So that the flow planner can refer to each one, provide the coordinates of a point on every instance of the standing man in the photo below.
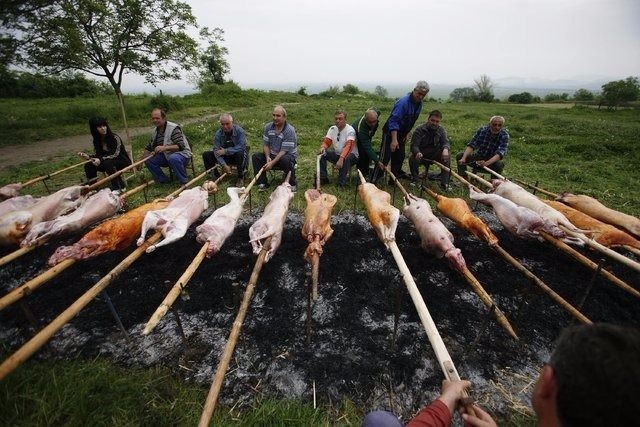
(168, 146)
(395, 131)
(279, 149)
(229, 147)
(366, 127)
(491, 143)
(429, 142)
(338, 147)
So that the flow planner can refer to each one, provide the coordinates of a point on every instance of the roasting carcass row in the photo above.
(174, 220)
(112, 235)
(457, 210)
(317, 221)
(383, 216)
(15, 225)
(220, 224)
(10, 190)
(522, 197)
(597, 210)
(521, 221)
(603, 233)
(97, 207)
(271, 222)
(435, 237)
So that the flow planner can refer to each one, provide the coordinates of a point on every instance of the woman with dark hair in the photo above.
(109, 155)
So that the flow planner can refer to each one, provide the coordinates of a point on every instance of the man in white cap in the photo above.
(403, 116)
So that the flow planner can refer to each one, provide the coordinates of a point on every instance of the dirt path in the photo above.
(15, 155)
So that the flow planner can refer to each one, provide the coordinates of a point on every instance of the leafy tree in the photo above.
(350, 89)
(330, 93)
(617, 92)
(553, 97)
(484, 88)
(521, 98)
(106, 39)
(583, 95)
(381, 92)
(463, 94)
(302, 91)
(213, 64)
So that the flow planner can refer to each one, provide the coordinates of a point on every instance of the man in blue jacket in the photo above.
(229, 147)
(395, 131)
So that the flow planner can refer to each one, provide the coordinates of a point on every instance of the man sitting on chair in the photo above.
(339, 147)
(229, 147)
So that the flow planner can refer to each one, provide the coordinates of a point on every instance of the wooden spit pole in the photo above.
(315, 259)
(577, 255)
(43, 177)
(223, 364)
(29, 286)
(41, 338)
(542, 190)
(183, 281)
(25, 250)
(116, 174)
(442, 354)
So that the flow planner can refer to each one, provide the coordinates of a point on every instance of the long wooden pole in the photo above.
(494, 173)
(247, 189)
(442, 354)
(521, 268)
(176, 290)
(31, 346)
(588, 263)
(488, 302)
(542, 190)
(395, 180)
(602, 249)
(43, 177)
(116, 174)
(223, 364)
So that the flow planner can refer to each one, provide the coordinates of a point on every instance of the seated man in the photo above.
(229, 147)
(168, 146)
(491, 143)
(279, 149)
(429, 142)
(338, 147)
(366, 127)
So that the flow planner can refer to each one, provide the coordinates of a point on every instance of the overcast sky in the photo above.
(445, 41)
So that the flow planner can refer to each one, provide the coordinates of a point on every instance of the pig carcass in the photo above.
(174, 220)
(457, 210)
(521, 221)
(271, 223)
(17, 204)
(597, 210)
(97, 207)
(603, 233)
(522, 197)
(435, 237)
(383, 216)
(112, 235)
(221, 223)
(15, 225)
(10, 190)
(317, 221)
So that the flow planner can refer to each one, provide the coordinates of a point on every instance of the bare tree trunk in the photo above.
(128, 145)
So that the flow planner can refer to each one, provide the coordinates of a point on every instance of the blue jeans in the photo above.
(177, 162)
(381, 418)
(333, 157)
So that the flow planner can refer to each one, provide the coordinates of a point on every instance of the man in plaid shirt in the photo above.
(487, 148)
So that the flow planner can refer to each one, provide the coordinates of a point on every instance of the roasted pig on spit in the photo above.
(221, 223)
(383, 216)
(272, 220)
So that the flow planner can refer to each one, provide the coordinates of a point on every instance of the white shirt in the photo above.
(340, 138)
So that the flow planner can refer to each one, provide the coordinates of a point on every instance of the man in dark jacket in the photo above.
(229, 148)
(429, 142)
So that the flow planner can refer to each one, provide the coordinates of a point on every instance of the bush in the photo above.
(15, 84)
(350, 89)
(166, 102)
(521, 98)
(330, 93)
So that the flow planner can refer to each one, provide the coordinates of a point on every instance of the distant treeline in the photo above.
(15, 84)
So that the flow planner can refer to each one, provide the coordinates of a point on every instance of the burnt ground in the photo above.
(349, 350)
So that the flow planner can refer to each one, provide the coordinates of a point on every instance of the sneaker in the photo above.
(413, 183)
(262, 187)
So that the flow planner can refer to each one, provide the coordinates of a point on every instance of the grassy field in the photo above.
(578, 149)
